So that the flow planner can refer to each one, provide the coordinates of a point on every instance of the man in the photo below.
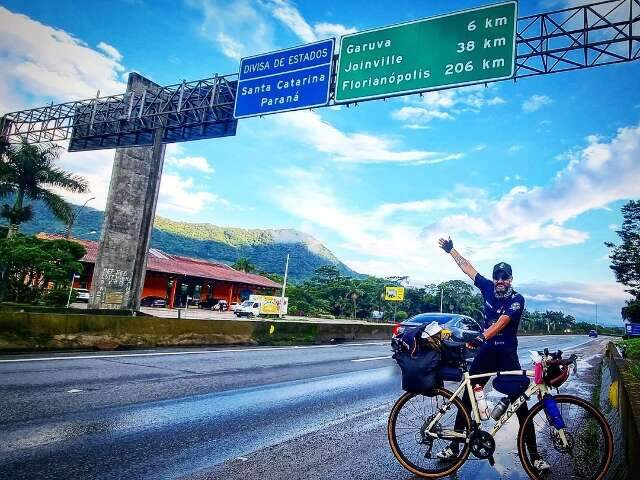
(498, 344)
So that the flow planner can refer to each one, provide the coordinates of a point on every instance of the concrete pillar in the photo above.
(119, 272)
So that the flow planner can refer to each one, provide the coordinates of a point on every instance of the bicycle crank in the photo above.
(482, 444)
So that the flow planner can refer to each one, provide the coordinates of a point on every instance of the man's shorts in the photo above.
(491, 359)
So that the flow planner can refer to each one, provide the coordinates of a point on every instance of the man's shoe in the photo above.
(541, 465)
(446, 453)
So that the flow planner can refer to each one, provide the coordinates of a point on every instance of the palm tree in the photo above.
(28, 171)
(244, 265)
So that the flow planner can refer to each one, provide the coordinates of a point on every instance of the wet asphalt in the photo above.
(283, 413)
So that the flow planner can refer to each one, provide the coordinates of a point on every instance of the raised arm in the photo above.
(463, 263)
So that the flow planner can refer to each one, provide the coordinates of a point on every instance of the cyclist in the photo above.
(497, 345)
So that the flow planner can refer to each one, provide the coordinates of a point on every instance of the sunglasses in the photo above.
(501, 277)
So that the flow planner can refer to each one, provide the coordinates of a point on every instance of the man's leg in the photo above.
(482, 363)
(512, 362)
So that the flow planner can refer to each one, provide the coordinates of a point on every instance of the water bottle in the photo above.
(538, 372)
(483, 408)
(500, 408)
(553, 413)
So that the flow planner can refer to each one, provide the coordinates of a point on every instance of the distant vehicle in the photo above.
(234, 306)
(222, 306)
(208, 303)
(593, 333)
(248, 309)
(155, 302)
(82, 295)
(194, 302)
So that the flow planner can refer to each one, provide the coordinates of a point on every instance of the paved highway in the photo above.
(292, 412)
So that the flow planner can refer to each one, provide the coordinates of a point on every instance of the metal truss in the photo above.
(186, 111)
(601, 33)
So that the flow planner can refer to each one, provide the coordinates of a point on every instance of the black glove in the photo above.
(446, 245)
(476, 342)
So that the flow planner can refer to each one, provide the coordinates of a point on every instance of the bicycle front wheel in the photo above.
(413, 447)
(588, 450)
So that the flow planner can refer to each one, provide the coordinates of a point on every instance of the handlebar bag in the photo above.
(511, 385)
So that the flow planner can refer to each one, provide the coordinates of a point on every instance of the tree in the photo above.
(34, 267)
(28, 171)
(244, 265)
(625, 258)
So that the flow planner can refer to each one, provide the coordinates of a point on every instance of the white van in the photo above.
(248, 308)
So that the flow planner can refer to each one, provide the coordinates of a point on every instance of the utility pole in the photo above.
(73, 218)
(596, 318)
(284, 284)
(441, 292)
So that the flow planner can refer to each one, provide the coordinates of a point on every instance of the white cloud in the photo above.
(579, 301)
(180, 195)
(417, 115)
(535, 102)
(288, 14)
(514, 148)
(110, 50)
(601, 173)
(352, 147)
(42, 63)
(175, 157)
(446, 104)
(239, 27)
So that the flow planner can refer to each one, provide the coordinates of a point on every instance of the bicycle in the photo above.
(581, 446)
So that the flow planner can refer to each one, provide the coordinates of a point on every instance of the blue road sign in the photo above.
(290, 79)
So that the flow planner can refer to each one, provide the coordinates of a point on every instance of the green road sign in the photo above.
(471, 46)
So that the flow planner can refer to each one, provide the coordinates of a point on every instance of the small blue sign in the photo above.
(291, 79)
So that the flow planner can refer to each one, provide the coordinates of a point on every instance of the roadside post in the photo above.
(73, 277)
(284, 286)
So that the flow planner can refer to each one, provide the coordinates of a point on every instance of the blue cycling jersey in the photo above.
(494, 307)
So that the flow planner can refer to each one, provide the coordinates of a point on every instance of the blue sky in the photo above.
(532, 172)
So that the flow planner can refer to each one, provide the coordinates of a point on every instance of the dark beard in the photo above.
(505, 294)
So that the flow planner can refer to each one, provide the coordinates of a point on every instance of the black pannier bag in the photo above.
(452, 360)
(419, 361)
(419, 372)
(511, 385)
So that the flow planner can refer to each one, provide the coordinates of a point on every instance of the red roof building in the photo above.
(180, 279)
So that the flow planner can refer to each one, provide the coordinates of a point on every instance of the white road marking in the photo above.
(159, 354)
(370, 359)
(74, 390)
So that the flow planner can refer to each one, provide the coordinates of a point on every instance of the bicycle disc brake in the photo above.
(482, 444)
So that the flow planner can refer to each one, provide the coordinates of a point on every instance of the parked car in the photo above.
(222, 306)
(462, 328)
(208, 303)
(82, 295)
(248, 309)
(234, 306)
(155, 302)
(593, 333)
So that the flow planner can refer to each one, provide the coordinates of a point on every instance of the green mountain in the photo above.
(267, 249)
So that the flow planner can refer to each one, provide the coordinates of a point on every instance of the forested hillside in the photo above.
(267, 249)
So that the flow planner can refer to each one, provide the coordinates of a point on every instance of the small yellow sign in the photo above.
(394, 294)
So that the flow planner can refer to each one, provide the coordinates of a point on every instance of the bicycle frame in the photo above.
(539, 389)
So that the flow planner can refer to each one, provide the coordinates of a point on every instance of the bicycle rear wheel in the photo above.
(590, 442)
(415, 450)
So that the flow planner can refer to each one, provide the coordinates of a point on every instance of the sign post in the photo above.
(290, 79)
(462, 48)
